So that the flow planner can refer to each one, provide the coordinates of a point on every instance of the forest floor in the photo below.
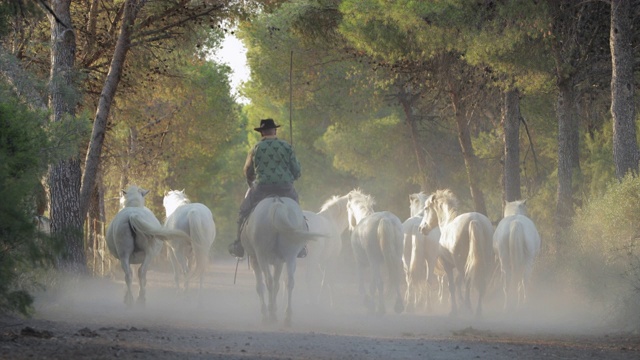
(87, 319)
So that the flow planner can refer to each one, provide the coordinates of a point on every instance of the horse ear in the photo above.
(144, 192)
(183, 190)
(524, 202)
(123, 192)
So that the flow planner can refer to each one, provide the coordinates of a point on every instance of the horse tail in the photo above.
(391, 243)
(517, 250)
(140, 225)
(479, 264)
(286, 219)
(202, 236)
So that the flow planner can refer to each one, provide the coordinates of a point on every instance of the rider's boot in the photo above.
(236, 248)
(303, 253)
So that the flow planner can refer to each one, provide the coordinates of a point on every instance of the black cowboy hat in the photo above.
(266, 124)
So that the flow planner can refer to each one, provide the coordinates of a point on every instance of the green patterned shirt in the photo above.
(271, 161)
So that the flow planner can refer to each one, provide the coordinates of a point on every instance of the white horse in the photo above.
(465, 244)
(272, 236)
(322, 261)
(517, 243)
(423, 256)
(195, 220)
(376, 239)
(134, 235)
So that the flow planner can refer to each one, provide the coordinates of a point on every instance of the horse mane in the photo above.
(337, 205)
(179, 194)
(174, 199)
(449, 199)
(364, 199)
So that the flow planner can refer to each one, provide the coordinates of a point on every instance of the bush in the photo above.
(22, 165)
(607, 233)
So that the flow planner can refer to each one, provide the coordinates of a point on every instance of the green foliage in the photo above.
(607, 233)
(599, 169)
(22, 164)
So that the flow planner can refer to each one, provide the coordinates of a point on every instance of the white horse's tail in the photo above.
(140, 225)
(287, 220)
(517, 250)
(479, 262)
(201, 239)
(391, 244)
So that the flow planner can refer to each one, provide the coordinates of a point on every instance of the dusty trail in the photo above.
(87, 320)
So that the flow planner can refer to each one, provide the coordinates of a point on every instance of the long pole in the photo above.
(291, 98)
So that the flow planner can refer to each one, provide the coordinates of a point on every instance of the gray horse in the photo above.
(134, 235)
(272, 236)
(377, 242)
(196, 220)
(466, 244)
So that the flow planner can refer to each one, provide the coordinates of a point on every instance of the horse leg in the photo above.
(409, 297)
(142, 279)
(128, 296)
(452, 290)
(377, 288)
(467, 294)
(260, 286)
(291, 269)
(506, 278)
(522, 294)
(175, 265)
(273, 292)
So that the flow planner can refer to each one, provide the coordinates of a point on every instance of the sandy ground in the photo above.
(88, 320)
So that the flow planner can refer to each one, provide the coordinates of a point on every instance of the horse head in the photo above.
(173, 199)
(359, 205)
(518, 207)
(133, 196)
(416, 203)
(429, 215)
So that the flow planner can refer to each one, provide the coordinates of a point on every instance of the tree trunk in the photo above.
(427, 171)
(625, 146)
(567, 155)
(470, 159)
(64, 177)
(92, 161)
(511, 126)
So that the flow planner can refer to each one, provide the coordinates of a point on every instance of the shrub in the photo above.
(606, 233)
(22, 165)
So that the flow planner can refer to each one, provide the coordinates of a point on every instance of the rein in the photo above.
(235, 274)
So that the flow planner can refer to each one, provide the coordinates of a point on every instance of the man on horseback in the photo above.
(270, 169)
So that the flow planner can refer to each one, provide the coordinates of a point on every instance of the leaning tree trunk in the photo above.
(92, 161)
(470, 159)
(511, 126)
(64, 177)
(625, 146)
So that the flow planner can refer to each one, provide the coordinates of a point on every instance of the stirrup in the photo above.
(236, 249)
(303, 253)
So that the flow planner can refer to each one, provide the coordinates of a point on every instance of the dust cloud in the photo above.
(223, 305)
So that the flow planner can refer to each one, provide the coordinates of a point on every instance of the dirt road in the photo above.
(88, 320)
